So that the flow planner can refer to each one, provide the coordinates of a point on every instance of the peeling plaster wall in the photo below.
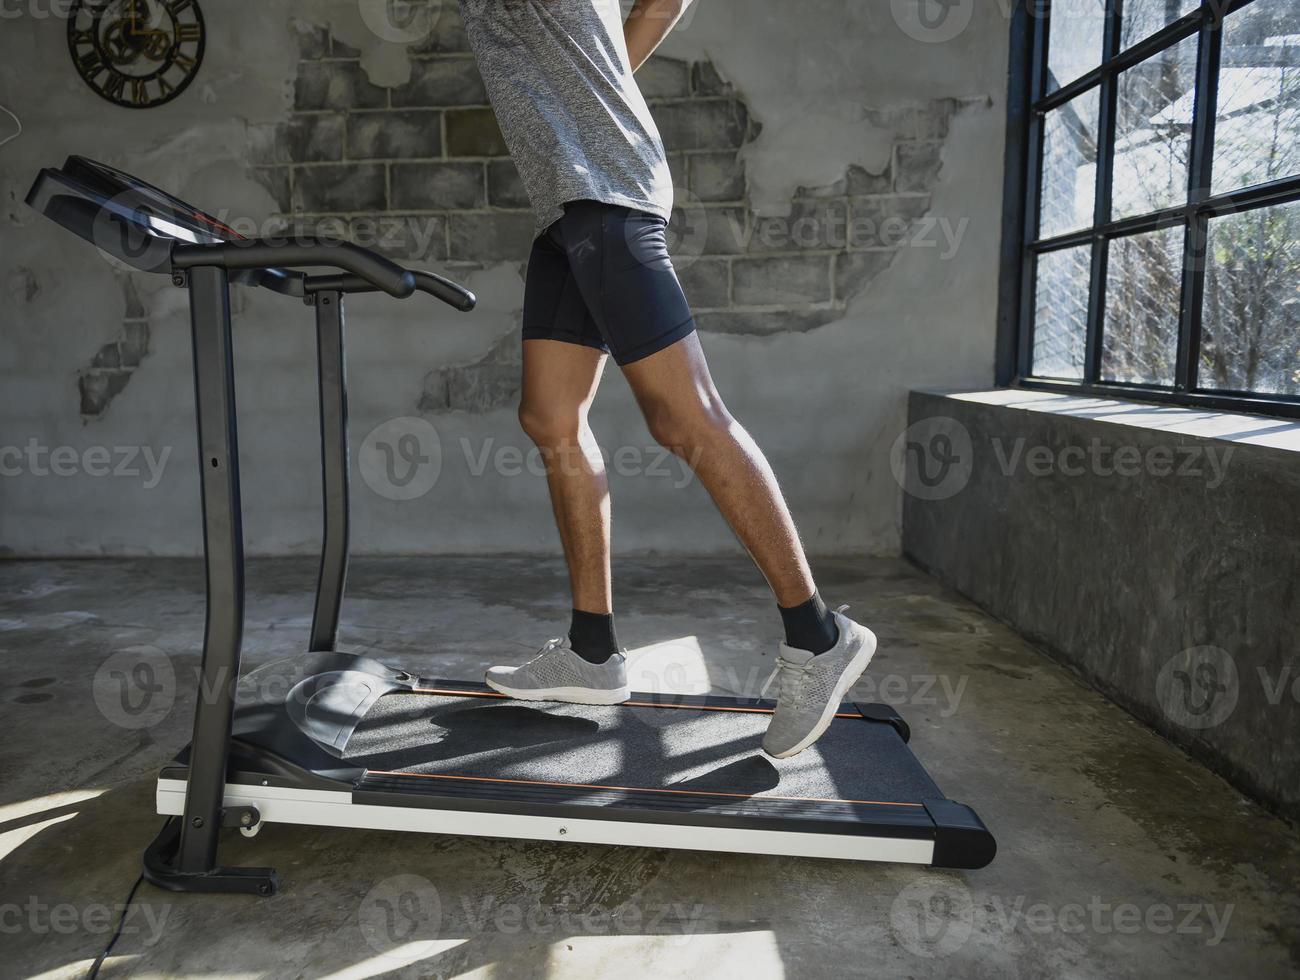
(814, 345)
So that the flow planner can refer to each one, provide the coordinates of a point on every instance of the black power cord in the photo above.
(93, 972)
(117, 933)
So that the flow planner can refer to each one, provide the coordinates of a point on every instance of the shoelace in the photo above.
(554, 643)
(792, 677)
(792, 674)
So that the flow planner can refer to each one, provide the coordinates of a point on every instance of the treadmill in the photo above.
(332, 739)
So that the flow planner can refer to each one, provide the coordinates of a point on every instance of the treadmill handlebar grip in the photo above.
(439, 287)
(384, 274)
(451, 293)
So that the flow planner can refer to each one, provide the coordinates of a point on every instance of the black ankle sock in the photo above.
(592, 636)
(810, 625)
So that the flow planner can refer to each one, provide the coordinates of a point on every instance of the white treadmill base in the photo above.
(324, 808)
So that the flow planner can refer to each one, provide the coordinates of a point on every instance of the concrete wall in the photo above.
(1155, 551)
(839, 170)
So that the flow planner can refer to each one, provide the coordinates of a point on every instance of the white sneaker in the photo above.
(812, 687)
(556, 673)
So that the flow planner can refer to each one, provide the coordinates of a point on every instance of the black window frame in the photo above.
(1028, 102)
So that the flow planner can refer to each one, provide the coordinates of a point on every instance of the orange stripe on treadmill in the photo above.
(625, 704)
(456, 693)
(632, 789)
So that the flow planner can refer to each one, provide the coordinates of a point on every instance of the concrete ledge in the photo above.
(1155, 550)
(1237, 427)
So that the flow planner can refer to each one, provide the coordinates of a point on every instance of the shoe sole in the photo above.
(852, 672)
(568, 695)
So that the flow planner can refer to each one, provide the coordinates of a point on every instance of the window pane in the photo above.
(1153, 131)
(1257, 136)
(1142, 18)
(1069, 185)
(1061, 313)
(1251, 327)
(1074, 39)
(1144, 280)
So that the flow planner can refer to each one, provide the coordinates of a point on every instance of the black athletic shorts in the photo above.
(600, 276)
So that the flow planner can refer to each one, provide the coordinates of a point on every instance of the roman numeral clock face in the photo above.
(136, 53)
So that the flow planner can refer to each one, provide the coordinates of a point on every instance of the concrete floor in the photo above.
(1119, 856)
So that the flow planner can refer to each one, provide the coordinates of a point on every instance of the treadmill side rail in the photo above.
(961, 840)
(342, 809)
(885, 714)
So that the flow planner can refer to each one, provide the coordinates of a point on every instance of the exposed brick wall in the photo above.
(797, 271)
(421, 172)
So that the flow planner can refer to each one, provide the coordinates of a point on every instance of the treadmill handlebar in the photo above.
(254, 253)
(439, 287)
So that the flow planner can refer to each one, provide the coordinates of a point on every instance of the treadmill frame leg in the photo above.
(332, 381)
(184, 855)
(160, 869)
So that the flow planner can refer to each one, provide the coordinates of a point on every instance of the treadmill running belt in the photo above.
(667, 751)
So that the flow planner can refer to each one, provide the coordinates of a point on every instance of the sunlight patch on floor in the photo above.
(677, 948)
(399, 958)
(672, 667)
(11, 840)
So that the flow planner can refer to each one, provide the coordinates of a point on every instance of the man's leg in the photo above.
(686, 415)
(559, 383)
(824, 652)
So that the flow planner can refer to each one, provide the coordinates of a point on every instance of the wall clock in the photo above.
(137, 53)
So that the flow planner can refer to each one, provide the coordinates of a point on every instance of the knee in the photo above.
(550, 425)
(680, 428)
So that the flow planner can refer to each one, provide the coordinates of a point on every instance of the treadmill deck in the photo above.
(659, 770)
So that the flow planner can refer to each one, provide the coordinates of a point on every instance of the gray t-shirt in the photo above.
(577, 125)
